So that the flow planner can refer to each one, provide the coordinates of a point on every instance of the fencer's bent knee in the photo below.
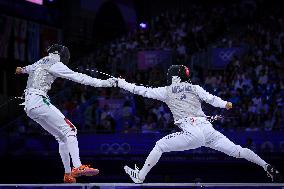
(68, 131)
(66, 138)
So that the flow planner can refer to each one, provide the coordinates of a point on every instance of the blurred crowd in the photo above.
(253, 82)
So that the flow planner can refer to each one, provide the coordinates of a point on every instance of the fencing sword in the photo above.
(95, 70)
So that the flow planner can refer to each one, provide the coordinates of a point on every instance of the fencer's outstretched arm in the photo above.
(211, 99)
(60, 70)
(154, 93)
(30, 68)
(26, 69)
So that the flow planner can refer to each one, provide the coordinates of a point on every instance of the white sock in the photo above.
(253, 157)
(151, 160)
(73, 148)
(65, 157)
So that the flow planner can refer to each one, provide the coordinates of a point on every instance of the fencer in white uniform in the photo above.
(39, 108)
(184, 100)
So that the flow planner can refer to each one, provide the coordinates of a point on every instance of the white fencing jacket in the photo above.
(183, 99)
(43, 73)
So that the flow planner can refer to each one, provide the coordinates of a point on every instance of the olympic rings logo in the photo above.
(226, 55)
(115, 148)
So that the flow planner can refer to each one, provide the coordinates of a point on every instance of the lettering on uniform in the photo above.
(183, 88)
(44, 60)
(183, 96)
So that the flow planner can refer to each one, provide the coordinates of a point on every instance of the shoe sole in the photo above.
(69, 182)
(88, 173)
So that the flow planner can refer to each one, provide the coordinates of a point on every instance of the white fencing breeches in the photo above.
(197, 132)
(53, 121)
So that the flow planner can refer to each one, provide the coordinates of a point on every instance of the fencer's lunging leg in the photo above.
(52, 120)
(223, 144)
(150, 162)
(69, 133)
(40, 116)
(65, 157)
(178, 141)
(252, 157)
(72, 144)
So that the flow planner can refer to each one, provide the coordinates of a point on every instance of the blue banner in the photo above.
(137, 144)
(148, 59)
(222, 56)
(141, 144)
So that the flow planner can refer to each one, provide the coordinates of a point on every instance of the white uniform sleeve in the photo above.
(209, 98)
(30, 68)
(60, 70)
(154, 93)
